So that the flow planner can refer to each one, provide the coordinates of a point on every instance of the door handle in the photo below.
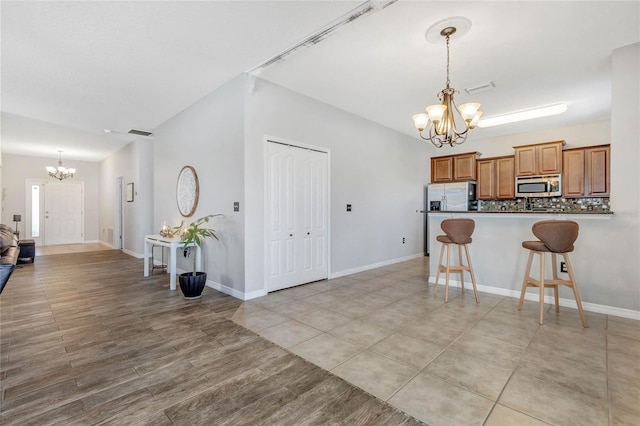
(308, 233)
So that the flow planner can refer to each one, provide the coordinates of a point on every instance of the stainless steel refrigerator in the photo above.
(453, 196)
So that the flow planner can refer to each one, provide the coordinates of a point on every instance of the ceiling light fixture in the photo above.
(445, 126)
(61, 172)
(523, 115)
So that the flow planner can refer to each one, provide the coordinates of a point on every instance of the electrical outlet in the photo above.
(348, 207)
(563, 267)
(403, 240)
(236, 206)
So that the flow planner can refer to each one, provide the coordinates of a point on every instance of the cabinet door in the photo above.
(597, 171)
(573, 176)
(526, 161)
(505, 178)
(486, 185)
(549, 158)
(464, 167)
(442, 169)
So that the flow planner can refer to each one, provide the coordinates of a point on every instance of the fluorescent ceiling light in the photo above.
(523, 115)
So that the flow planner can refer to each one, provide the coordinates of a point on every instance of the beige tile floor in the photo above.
(386, 332)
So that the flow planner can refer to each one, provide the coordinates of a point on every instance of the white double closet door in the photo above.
(297, 215)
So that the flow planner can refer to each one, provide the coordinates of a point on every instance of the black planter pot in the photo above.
(191, 285)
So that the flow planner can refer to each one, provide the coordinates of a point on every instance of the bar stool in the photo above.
(556, 237)
(458, 232)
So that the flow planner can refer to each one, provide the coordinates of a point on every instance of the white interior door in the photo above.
(297, 215)
(63, 203)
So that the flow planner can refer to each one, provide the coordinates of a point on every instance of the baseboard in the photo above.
(569, 303)
(132, 253)
(374, 266)
(234, 292)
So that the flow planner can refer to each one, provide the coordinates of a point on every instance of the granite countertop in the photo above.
(549, 211)
(577, 212)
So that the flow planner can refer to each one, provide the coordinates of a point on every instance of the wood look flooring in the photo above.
(86, 339)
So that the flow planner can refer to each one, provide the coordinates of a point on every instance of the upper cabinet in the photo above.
(454, 168)
(496, 178)
(538, 159)
(442, 169)
(586, 171)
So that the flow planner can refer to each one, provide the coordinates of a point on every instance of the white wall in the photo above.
(380, 172)
(622, 240)
(209, 137)
(134, 163)
(16, 169)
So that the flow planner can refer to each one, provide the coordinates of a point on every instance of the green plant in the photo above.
(195, 233)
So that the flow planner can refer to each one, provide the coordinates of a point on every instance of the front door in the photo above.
(297, 215)
(63, 213)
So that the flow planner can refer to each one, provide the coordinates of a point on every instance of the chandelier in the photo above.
(448, 124)
(61, 172)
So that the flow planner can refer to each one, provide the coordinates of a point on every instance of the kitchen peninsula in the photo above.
(504, 221)
(499, 261)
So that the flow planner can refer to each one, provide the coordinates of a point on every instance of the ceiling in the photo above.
(69, 70)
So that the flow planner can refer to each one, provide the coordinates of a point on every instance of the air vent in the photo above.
(480, 88)
(140, 132)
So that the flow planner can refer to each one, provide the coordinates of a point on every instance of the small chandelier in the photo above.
(444, 127)
(61, 172)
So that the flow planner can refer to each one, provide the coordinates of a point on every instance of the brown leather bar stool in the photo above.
(458, 232)
(556, 237)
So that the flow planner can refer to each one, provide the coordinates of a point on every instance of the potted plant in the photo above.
(192, 283)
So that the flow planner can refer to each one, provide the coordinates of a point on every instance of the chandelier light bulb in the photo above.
(420, 121)
(469, 111)
(436, 112)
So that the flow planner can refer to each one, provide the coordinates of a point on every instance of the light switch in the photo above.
(236, 206)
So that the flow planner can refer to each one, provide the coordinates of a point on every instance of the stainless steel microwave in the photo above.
(539, 186)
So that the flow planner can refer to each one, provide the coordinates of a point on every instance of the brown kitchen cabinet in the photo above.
(496, 178)
(539, 159)
(586, 171)
(454, 168)
(442, 169)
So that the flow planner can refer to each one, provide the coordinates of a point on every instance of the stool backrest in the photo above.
(557, 235)
(458, 230)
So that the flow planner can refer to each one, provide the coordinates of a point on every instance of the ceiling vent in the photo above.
(480, 88)
(140, 132)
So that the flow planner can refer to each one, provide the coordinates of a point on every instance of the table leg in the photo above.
(172, 268)
(198, 258)
(146, 258)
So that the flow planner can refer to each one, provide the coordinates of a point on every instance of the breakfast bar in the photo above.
(499, 260)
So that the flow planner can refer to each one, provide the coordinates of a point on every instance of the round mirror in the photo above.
(187, 191)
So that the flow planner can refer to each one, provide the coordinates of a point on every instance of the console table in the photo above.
(173, 244)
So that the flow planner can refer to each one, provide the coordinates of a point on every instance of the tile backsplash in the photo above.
(561, 204)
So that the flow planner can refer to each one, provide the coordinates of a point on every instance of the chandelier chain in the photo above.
(448, 81)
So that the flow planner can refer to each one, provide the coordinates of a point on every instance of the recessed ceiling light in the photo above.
(522, 115)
